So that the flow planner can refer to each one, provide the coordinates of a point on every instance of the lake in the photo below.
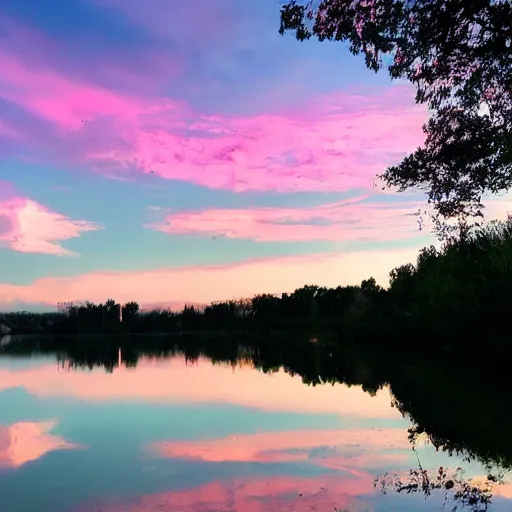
(116, 428)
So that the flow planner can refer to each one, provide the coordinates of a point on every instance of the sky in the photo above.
(169, 152)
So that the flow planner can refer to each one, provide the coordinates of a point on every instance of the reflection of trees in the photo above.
(469, 416)
(464, 493)
(462, 412)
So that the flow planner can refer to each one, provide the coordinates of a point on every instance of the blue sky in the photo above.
(201, 154)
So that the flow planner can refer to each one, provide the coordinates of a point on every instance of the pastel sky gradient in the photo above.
(183, 151)
(160, 381)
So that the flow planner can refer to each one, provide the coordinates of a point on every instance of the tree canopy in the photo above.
(458, 55)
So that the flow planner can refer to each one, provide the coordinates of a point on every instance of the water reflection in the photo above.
(27, 441)
(257, 495)
(340, 448)
(214, 424)
(162, 380)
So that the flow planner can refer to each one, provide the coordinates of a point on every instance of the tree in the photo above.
(130, 311)
(401, 282)
(370, 287)
(458, 55)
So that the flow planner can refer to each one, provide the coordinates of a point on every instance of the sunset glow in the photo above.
(161, 381)
(201, 163)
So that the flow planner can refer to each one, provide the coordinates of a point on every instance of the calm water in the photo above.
(172, 435)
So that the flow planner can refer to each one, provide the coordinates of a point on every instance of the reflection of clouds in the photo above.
(205, 383)
(340, 449)
(504, 490)
(257, 495)
(23, 442)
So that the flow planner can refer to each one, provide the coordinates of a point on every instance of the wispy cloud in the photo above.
(333, 142)
(27, 226)
(349, 221)
(57, 99)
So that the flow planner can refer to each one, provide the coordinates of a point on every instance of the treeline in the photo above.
(460, 292)
(309, 306)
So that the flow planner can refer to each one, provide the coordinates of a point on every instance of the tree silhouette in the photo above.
(130, 311)
(458, 55)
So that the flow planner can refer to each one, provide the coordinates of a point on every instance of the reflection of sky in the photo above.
(162, 382)
(166, 436)
(23, 442)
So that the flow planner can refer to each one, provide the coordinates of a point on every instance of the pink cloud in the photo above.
(352, 220)
(57, 99)
(137, 71)
(161, 380)
(367, 448)
(27, 226)
(206, 284)
(274, 494)
(291, 151)
(24, 442)
(349, 452)
(336, 142)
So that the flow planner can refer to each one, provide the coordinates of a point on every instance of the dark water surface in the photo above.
(120, 430)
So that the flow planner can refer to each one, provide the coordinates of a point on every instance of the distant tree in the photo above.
(265, 307)
(458, 55)
(370, 286)
(304, 300)
(130, 311)
(220, 315)
(242, 307)
(401, 281)
(190, 317)
(112, 311)
(425, 257)
(64, 307)
(333, 302)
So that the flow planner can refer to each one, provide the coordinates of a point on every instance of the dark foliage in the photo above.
(308, 306)
(458, 55)
(464, 493)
